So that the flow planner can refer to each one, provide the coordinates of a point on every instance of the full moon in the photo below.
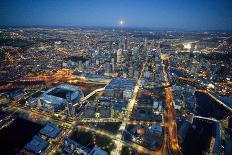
(121, 23)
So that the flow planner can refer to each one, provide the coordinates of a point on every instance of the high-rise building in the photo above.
(113, 66)
(87, 64)
(125, 47)
(70, 109)
(107, 67)
(145, 43)
(119, 56)
(191, 55)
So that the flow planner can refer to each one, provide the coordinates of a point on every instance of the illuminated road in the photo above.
(7, 121)
(114, 120)
(116, 139)
(129, 109)
(170, 119)
(199, 83)
(170, 132)
(69, 125)
(68, 128)
(35, 115)
(47, 79)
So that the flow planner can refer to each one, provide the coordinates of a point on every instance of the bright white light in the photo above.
(187, 46)
(121, 23)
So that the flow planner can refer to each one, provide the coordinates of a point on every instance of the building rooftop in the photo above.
(121, 83)
(76, 145)
(59, 92)
(52, 99)
(36, 145)
(98, 151)
(50, 130)
(156, 127)
(68, 87)
(104, 99)
(92, 76)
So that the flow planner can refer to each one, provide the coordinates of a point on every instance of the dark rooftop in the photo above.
(58, 92)
(50, 130)
(36, 145)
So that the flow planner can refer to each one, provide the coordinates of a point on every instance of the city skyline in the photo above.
(178, 14)
(110, 77)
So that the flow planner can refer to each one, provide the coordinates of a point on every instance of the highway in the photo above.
(170, 141)
(70, 125)
(7, 121)
(170, 119)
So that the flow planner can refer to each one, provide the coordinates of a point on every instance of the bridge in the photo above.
(205, 118)
(92, 93)
(89, 95)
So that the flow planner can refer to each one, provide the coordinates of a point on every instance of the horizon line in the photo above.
(115, 27)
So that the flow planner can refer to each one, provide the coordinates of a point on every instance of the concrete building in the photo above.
(105, 111)
(72, 147)
(127, 94)
(90, 111)
(120, 88)
(119, 56)
(97, 151)
(17, 95)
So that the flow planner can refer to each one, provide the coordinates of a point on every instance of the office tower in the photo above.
(119, 55)
(70, 108)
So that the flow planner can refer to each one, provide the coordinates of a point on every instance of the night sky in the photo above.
(182, 14)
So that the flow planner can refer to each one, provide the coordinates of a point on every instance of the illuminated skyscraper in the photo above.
(119, 56)
(125, 45)
(191, 55)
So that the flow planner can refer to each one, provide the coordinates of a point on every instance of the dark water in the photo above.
(198, 139)
(177, 72)
(14, 137)
(208, 107)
